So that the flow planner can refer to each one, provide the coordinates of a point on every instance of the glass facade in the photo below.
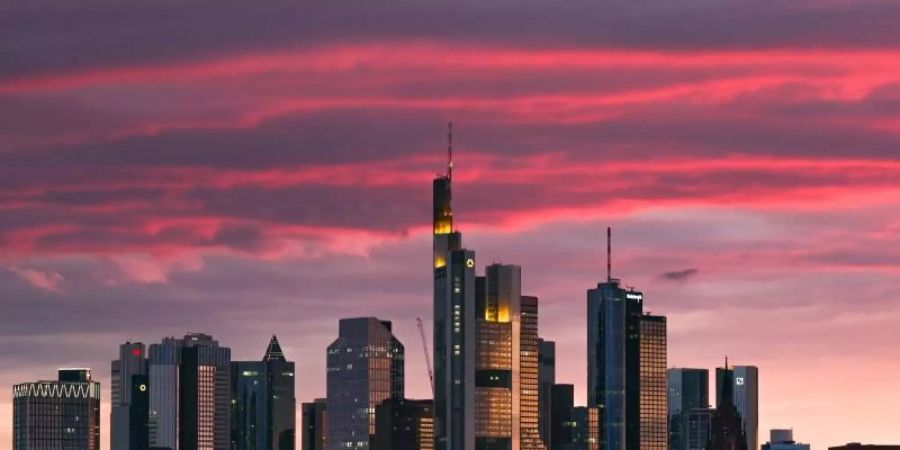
(262, 403)
(403, 424)
(58, 415)
(365, 368)
(315, 425)
(654, 408)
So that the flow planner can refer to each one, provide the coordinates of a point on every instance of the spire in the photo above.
(450, 150)
(273, 351)
(608, 254)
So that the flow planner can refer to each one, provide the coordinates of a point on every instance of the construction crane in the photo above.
(425, 349)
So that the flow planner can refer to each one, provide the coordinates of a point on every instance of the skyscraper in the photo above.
(654, 423)
(614, 361)
(204, 394)
(315, 425)
(745, 388)
(263, 408)
(163, 369)
(546, 380)
(454, 325)
(404, 424)
(726, 427)
(128, 419)
(62, 414)
(485, 346)
(689, 413)
(561, 435)
(365, 368)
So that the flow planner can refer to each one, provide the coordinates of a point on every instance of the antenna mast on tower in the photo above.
(608, 254)
(450, 150)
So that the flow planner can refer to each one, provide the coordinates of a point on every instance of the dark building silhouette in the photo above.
(365, 368)
(561, 434)
(204, 394)
(745, 394)
(404, 424)
(688, 404)
(726, 427)
(546, 380)
(587, 422)
(129, 420)
(62, 414)
(315, 425)
(263, 408)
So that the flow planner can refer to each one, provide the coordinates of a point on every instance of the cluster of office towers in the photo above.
(493, 381)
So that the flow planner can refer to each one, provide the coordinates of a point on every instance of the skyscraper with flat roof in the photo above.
(204, 394)
(365, 368)
(61, 414)
(689, 413)
(263, 406)
(654, 423)
(315, 425)
(163, 369)
(546, 380)
(128, 419)
(404, 424)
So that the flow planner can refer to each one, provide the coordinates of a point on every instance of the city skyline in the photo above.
(248, 171)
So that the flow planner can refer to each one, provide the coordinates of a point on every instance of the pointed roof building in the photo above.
(273, 351)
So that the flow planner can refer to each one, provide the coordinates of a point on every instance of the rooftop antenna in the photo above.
(450, 150)
(609, 254)
(726, 362)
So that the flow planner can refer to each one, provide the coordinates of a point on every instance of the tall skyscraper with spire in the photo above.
(485, 345)
(626, 355)
(454, 323)
(263, 407)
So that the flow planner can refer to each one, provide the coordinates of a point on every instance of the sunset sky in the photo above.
(244, 169)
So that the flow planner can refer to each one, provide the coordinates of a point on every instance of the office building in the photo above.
(562, 433)
(546, 380)
(689, 412)
(783, 440)
(654, 424)
(486, 346)
(204, 394)
(129, 418)
(315, 425)
(365, 368)
(615, 322)
(61, 414)
(404, 424)
(263, 408)
(163, 366)
(586, 421)
(454, 325)
(745, 389)
(726, 426)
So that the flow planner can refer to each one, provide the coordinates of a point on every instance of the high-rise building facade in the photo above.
(365, 368)
(626, 366)
(404, 424)
(315, 425)
(263, 407)
(129, 419)
(546, 380)
(654, 424)
(163, 370)
(689, 413)
(63, 414)
(745, 389)
(529, 376)
(614, 323)
(204, 394)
